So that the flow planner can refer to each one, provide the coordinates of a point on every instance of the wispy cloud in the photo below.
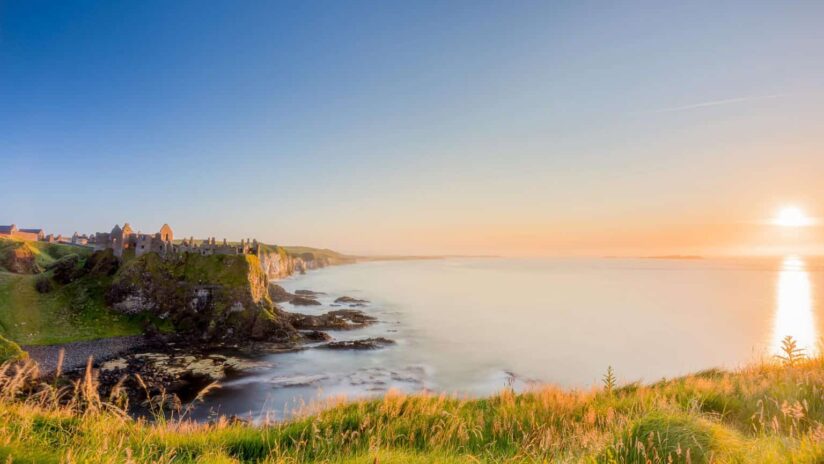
(727, 101)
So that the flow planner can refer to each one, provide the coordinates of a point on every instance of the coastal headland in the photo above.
(178, 318)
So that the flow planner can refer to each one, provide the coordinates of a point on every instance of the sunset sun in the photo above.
(792, 216)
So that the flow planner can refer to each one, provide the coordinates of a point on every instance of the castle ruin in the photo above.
(124, 239)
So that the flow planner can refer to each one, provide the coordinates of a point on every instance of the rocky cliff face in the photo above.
(212, 298)
(277, 264)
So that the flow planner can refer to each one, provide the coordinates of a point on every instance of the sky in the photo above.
(443, 127)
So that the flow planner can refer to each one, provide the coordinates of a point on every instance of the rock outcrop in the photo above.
(361, 344)
(278, 262)
(341, 319)
(304, 301)
(279, 294)
(350, 300)
(218, 298)
(18, 258)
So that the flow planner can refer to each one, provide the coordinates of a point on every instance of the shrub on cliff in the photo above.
(102, 263)
(66, 269)
(43, 284)
(10, 351)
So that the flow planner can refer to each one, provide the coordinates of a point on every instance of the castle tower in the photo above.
(116, 240)
(166, 233)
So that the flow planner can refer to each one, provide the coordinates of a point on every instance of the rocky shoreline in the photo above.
(175, 368)
(76, 354)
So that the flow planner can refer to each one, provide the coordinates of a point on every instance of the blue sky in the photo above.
(413, 127)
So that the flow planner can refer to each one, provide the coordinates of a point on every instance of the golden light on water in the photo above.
(794, 314)
(792, 216)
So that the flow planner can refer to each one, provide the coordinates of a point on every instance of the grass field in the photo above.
(762, 414)
(71, 312)
(44, 253)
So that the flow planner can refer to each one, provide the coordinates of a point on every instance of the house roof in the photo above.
(32, 231)
(6, 229)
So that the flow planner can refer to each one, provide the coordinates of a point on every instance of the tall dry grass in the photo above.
(768, 412)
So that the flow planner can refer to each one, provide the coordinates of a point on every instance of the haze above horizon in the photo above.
(420, 127)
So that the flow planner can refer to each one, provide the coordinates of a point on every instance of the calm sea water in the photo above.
(472, 326)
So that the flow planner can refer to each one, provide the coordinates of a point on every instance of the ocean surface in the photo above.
(472, 326)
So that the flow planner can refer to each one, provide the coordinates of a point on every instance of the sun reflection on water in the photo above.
(794, 308)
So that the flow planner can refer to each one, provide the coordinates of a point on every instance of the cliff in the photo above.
(279, 262)
(212, 298)
(55, 293)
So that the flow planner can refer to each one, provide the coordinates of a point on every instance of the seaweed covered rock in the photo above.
(360, 344)
(213, 298)
(304, 301)
(340, 319)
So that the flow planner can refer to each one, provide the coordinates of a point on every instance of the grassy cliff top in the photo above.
(68, 313)
(761, 414)
(64, 312)
(77, 310)
(232, 271)
(318, 253)
(43, 253)
(304, 252)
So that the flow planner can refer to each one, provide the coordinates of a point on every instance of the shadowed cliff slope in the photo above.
(212, 298)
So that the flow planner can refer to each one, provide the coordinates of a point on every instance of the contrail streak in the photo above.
(716, 103)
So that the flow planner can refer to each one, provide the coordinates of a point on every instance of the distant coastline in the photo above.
(416, 257)
(678, 257)
(661, 257)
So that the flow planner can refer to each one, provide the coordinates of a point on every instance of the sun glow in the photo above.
(794, 308)
(792, 216)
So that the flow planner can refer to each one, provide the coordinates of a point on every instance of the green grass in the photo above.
(69, 313)
(333, 257)
(762, 414)
(670, 434)
(10, 351)
(233, 271)
(44, 253)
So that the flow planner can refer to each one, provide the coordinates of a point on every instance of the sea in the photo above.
(470, 327)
